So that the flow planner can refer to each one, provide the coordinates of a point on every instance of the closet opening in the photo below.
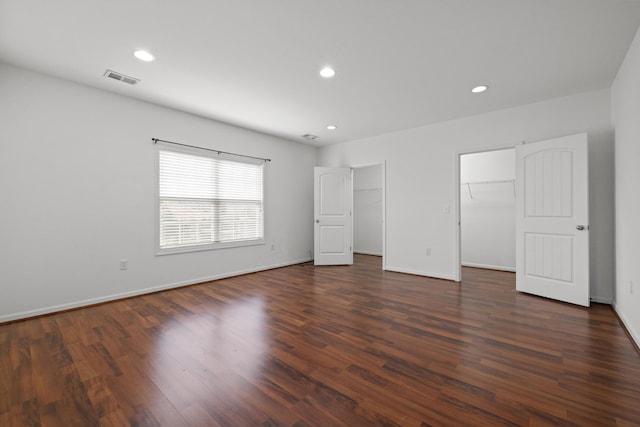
(487, 205)
(369, 210)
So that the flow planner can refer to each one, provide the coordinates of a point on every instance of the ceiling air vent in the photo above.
(119, 76)
(310, 137)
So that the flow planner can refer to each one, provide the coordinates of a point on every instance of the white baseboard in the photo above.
(119, 296)
(489, 267)
(368, 253)
(634, 334)
(420, 273)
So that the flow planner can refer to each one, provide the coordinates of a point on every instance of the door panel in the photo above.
(548, 183)
(549, 256)
(552, 252)
(332, 239)
(332, 200)
(333, 225)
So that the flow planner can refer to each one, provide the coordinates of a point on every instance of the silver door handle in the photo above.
(580, 227)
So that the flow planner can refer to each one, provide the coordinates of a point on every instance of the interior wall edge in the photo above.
(635, 335)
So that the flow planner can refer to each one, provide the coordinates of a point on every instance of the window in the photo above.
(208, 202)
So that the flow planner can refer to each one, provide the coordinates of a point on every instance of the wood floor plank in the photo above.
(323, 346)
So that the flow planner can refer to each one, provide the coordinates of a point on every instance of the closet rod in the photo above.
(468, 184)
(488, 182)
(156, 140)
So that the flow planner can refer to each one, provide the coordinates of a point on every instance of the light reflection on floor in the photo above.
(221, 351)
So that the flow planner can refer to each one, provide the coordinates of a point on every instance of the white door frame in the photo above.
(457, 209)
(384, 204)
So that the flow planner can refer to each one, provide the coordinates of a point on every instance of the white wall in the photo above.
(421, 175)
(367, 210)
(488, 210)
(77, 179)
(626, 121)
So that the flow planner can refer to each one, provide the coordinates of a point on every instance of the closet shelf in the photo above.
(498, 181)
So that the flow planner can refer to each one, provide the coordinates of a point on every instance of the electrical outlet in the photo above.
(124, 264)
(273, 247)
(428, 252)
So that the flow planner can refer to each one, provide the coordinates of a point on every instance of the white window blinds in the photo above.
(206, 201)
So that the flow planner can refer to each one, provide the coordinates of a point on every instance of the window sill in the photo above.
(201, 248)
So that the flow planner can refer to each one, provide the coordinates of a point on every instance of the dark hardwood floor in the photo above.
(326, 346)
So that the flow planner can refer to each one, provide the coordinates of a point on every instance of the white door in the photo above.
(333, 199)
(552, 219)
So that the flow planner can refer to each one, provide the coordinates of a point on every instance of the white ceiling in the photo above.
(255, 63)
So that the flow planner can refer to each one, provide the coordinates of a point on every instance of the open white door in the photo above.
(333, 199)
(552, 219)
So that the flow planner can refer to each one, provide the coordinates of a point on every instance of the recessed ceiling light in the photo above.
(332, 127)
(479, 89)
(327, 72)
(143, 55)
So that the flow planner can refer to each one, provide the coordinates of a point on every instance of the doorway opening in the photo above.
(369, 210)
(487, 210)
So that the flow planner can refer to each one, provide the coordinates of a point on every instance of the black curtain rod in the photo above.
(156, 140)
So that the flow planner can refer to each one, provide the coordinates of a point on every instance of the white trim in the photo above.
(384, 214)
(634, 334)
(421, 273)
(366, 165)
(457, 218)
(488, 267)
(367, 253)
(123, 295)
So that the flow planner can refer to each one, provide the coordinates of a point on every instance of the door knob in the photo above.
(580, 227)
(317, 220)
